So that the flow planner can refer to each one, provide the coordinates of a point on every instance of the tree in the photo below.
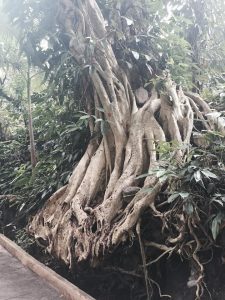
(130, 122)
(12, 65)
(33, 154)
(15, 71)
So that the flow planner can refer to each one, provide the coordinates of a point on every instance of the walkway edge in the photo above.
(63, 286)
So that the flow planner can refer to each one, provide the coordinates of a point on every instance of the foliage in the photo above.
(59, 135)
(59, 149)
(174, 35)
(147, 39)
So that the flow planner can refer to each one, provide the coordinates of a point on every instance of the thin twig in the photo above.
(159, 257)
(159, 289)
(138, 230)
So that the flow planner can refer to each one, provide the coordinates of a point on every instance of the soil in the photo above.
(115, 279)
(107, 283)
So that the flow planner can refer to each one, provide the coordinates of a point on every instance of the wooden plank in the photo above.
(70, 291)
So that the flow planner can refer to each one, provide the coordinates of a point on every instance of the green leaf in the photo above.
(44, 194)
(170, 61)
(99, 120)
(197, 176)
(136, 55)
(215, 228)
(129, 21)
(163, 178)
(84, 117)
(22, 206)
(209, 174)
(173, 197)
(142, 176)
(184, 195)
(188, 208)
(147, 57)
(161, 173)
(218, 201)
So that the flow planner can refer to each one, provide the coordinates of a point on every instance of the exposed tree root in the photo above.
(91, 215)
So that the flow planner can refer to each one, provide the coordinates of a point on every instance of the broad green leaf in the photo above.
(184, 195)
(136, 55)
(84, 117)
(209, 174)
(218, 201)
(142, 176)
(197, 176)
(173, 197)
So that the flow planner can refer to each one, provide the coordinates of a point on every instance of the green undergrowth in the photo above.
(23, 190)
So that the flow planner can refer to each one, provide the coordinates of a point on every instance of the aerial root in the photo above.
(90, 216)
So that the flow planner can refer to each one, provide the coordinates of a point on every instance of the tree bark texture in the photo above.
(104, 199)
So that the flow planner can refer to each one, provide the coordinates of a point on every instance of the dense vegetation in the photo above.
(111, 140)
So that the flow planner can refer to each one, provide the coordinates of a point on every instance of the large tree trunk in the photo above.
(91, 214)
